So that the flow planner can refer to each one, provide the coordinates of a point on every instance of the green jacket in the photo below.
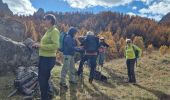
(129, 51)
(49, 43)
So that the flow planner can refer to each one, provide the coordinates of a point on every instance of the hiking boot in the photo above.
(79, 73)
(72, 82)
(64, 85)
(90, 80)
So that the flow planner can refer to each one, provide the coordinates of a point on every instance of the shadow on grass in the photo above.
(120, 80)
(63, 92)
(73, 92)
(159, 94)
(97, 94)
(102, 95)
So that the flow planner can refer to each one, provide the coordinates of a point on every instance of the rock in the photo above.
(12, 29)
(14, 54)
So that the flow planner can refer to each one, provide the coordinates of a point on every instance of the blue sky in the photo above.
(154, 9)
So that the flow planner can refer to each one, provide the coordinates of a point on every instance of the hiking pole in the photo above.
(136, 62)
(12, 93)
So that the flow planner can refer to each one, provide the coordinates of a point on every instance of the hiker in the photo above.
(47, 54)
(132, 52)
(69, 63)
(102, 51)
(91, 45)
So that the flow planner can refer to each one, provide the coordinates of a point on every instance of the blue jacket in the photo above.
(70, 43)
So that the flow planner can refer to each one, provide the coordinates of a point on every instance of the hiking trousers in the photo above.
(68, 66)
(101, 58)
(80, 69)
(44, 72)
(131, 69)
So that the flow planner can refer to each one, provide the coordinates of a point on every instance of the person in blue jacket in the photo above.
(69, 48)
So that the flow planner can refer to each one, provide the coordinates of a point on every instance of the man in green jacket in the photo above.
(131, 53)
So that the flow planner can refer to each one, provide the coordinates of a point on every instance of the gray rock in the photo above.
(14, 54)
(12, 29)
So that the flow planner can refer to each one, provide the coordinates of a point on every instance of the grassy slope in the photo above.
(152, 77)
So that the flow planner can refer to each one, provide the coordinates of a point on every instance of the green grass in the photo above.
(152, 77)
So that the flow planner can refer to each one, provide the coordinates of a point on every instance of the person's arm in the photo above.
(106, 45)
(125, 51)
(139, 49)
(55, 41)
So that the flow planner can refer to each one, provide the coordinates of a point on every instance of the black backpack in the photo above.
(99, 76)
(91, 44)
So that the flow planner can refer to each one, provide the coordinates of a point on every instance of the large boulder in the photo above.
(14, 54)
(12, 29)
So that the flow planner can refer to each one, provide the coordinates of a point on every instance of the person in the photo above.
(69, 63)
(102, 50)
(47, 54)
(91, 46)
(131, 58)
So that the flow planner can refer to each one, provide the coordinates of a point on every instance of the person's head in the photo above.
(49, 19)
(89, 33)
(128, 41)
(72, 31)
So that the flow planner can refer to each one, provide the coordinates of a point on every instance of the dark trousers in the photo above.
(92, 63)
(131, 69)
(80, 69)
(44, 72)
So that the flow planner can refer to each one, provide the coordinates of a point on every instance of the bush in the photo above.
(163, 50)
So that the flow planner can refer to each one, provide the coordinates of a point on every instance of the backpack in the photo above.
(136, 52)
(91, 44)
(62, 36)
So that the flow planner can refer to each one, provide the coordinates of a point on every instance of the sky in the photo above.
(154, 9)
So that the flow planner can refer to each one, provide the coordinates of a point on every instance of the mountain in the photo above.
(166, 19)
(4, 9)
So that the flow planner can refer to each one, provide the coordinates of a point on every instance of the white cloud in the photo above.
(21, 7)
(157, 9)
(134, 8)
(148, 2)
(156, 17)
(90, 3)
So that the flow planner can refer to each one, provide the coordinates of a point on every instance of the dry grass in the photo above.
(152, 78)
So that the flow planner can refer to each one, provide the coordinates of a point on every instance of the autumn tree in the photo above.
(139, 42)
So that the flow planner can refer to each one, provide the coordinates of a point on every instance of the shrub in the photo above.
(139, 42)
(163, 50)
